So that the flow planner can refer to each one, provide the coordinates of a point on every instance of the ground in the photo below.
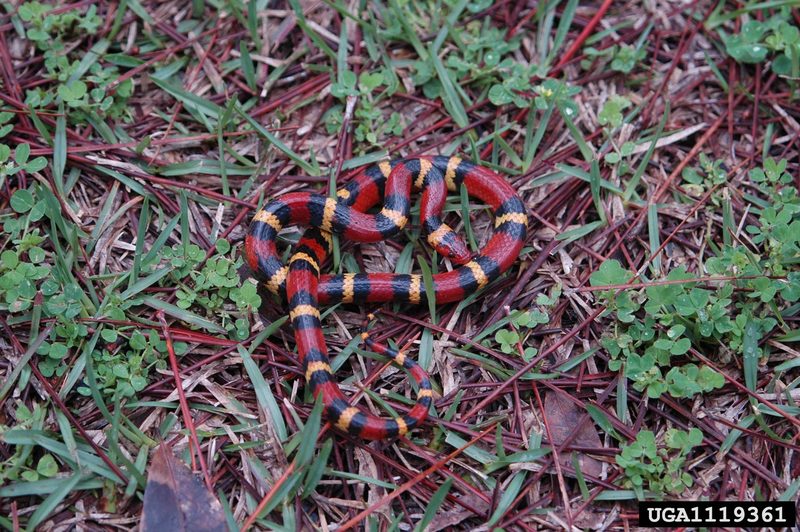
(643, 347)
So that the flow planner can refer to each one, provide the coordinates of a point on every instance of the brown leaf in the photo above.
(563, 416)
(176, 500)
(449, 519)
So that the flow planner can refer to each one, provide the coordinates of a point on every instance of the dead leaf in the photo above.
(369, 469)
(176, 500)
(449, 519)
(563, 416)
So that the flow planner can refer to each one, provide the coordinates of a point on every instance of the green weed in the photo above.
(621, 58)
(82, 84)
(776, 38)
(665, 320)
(659, 471)
(522, 323)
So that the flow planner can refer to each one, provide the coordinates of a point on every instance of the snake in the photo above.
(386, 186)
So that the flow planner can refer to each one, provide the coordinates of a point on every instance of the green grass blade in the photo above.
(248, 68)
(434, 504)
(750, 354)
(508, 497)
(183, 315)
(190, 100)
(264, 394)
(571, 235)
(308, 437)
(46, 486)
(430, 293)
(60, 150)
(47, 506)
(654, 236)
(634, 182)
(312, 169)
(302, 23)
(567, 15)
(145, 282)
(317, 468)
(141, 235)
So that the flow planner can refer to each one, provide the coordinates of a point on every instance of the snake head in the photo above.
(449, 244)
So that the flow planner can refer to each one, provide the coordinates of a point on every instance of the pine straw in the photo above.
(221, 396)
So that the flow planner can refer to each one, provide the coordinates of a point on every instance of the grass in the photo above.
(645, 347)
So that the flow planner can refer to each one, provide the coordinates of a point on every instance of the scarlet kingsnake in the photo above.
(304, 288)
